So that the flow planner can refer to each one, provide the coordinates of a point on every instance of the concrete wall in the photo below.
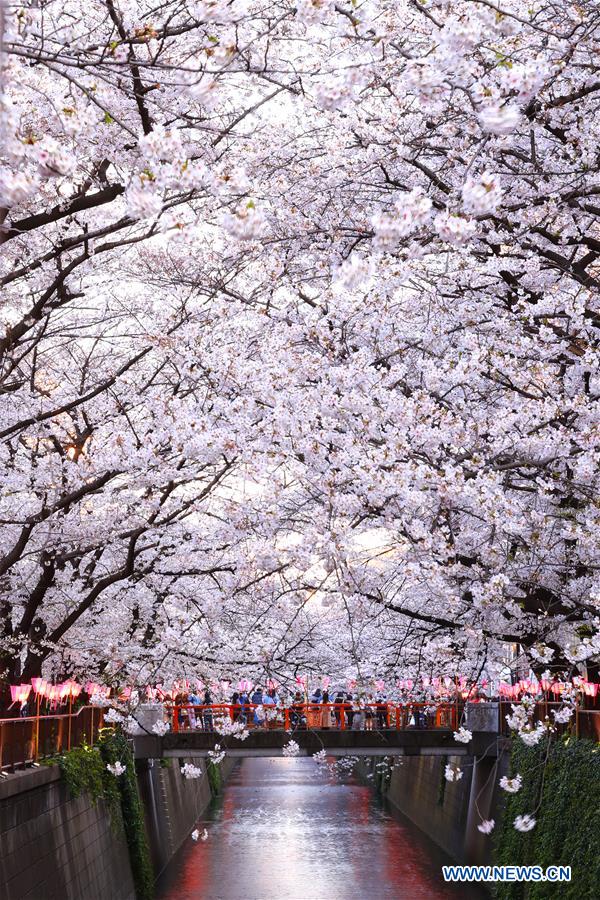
(172, 804)
(449, 812)
(54, 847)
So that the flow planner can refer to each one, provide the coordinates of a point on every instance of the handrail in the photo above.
(26, 739)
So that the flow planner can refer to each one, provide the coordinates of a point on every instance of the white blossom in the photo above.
(160, 728)
(454, 229)
(500, 119)
(190, 771)
(486, 826)
(453, 773)
(463, 735)
(481, 194)
(143, 201)
(563, 715)
(291, 749)
(116, 768)
(15, 187)
(524, 823)
(511, 785)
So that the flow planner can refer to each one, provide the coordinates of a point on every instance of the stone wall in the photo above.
(449, 812)
(56, 847)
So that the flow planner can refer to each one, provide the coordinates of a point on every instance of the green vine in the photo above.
(567, 790)
(84, 769)
(215, 779)
(114, 747)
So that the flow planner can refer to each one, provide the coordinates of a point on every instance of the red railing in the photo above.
(25, 740)
(341, 716)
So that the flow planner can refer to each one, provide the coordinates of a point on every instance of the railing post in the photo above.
(175, 722)
(37, 728)
(70, 717)
(286, 718)
(342, 717)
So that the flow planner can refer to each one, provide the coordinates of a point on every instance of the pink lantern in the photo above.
(590, 689)
(36, 684)
(545, 683)
(557, 688)
(425, 681)
(245, 685)
(380, 684)
(351, 684)
(326, 682)
(409, 684)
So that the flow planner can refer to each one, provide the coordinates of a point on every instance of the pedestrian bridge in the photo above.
(408, 730)
(271, 742)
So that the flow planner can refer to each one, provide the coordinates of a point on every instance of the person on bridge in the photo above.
(297, 717)
(258, 700)
(244, 706)
(339, 706)
(358, 714)
(207, 714)
(327, 715)
(382, 711)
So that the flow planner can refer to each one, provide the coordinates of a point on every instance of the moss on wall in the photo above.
(563, 779)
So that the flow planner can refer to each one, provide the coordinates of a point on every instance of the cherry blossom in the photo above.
(524, 823)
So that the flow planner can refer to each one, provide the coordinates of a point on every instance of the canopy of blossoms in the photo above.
(299, 359)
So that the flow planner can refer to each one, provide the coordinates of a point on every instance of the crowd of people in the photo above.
(322, 709)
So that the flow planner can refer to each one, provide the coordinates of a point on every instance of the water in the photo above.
(283, 830)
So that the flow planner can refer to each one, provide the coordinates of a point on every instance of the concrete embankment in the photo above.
(448, 812)
(54, 846)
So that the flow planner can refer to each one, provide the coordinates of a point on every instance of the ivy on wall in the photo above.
(84, 769)
(215, 779)
(568, 819)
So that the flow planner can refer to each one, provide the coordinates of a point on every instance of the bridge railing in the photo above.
(342, 716)
(26, 740)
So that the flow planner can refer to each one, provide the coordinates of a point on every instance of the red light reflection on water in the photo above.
(284, 831)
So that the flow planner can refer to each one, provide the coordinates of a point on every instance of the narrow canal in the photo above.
(284, 830)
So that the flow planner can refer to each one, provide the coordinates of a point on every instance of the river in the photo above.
(285, 830)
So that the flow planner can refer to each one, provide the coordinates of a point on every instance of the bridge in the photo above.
(272, 742)
(391, 730)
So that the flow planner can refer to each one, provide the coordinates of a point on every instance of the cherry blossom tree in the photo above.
(300, 368)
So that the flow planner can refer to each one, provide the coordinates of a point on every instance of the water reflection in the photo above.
(285, 831)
